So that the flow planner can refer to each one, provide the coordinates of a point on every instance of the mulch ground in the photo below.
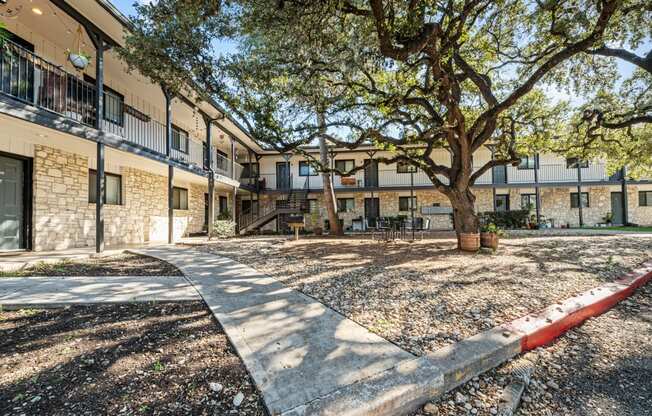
(120, 265)
(425, 295)
(136, 359)
(602, 368)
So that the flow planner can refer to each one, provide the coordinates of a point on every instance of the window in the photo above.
(527, 162)
(113, 191)
(345, 204)
(179, 198)
(249, 207)
(405, 167)
(573, 162)
(223, 204)
(528, 201)
(502, 202)
(404, 203)
(179, 139)
(575, 203)
(250, 170)
(305, 169)
(312, 205)
(344, 165)
(113, 103)
(645, 199)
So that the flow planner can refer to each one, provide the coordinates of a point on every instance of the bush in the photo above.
(223, 229)
(506, 219)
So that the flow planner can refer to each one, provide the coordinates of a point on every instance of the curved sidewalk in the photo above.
(304, 357)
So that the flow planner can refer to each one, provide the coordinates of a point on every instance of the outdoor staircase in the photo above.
(296, 203)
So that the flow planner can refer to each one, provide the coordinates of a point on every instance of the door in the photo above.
(371, 174)
(502, 202)
(371, 210)
(12, 208)
(500, 174)
(205, 212)
(617, 208)
(282, 175)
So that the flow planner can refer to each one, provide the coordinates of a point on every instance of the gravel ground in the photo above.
(603, 367)
(425, 295)
(131, 359)
(120, 265)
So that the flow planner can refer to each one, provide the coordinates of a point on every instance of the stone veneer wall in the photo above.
(63, 217)
(638, 214)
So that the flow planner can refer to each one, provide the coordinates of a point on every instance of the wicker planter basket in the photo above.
(469, 241)
(489, 240)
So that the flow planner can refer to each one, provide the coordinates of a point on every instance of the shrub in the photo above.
(506, 219)
(491, 229)
(223, 229)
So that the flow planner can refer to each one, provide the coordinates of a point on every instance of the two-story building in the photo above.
(547, 185)
(91, 154)
(75, 124)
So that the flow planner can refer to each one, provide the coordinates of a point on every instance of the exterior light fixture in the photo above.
(37, 11)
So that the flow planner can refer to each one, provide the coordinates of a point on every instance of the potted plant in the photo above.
(79, 60)
(608, 218)
(489, 236)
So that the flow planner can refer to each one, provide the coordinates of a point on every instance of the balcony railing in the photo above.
(29, 78)
(390, 178)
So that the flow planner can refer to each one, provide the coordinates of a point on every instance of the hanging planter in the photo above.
(79, 60)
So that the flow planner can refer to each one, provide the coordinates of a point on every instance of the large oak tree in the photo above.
(409, 76)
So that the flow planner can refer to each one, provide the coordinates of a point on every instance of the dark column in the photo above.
(623, 187)
(211, 177)
(537, 192)
(100, 184)
(235, 188)
(168, 153)
(579, 192)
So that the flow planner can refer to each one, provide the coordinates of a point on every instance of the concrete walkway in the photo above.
(16, 292)
(304, 357)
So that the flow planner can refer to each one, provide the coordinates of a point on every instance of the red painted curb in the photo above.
(543, 327)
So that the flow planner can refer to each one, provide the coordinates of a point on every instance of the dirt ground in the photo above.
(119, 265)
(136, 359)
(602, 368)
(426, 294)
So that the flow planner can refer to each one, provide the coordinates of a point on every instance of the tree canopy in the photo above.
(415, 76)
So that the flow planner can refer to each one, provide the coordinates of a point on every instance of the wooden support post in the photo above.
(100, 182)
(168, 153)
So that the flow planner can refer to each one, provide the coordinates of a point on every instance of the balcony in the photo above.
(33, 80)
(391, 179)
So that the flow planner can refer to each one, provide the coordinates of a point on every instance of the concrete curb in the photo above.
(61, 305)
(543, 327)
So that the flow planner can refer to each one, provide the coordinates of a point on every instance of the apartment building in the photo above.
(68, 129)
(165, 166)
(382, 190)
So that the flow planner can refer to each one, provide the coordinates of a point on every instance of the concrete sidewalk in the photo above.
(18, 292)
(305, 357)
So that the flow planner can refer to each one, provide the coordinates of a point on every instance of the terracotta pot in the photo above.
(469, 241)
(489, 240)
(318, 231)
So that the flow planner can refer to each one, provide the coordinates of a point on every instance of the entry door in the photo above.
(371, 174)
(282, 175)
(371, 210)
(617, 207)
(11, 203)
(205, 212)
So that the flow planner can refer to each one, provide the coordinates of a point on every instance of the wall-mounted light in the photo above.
(37, 11)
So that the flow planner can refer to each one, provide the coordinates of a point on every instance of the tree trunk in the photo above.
(329, 194)
(465, 218)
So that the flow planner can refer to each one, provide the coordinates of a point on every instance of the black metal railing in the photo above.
(29, 78)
